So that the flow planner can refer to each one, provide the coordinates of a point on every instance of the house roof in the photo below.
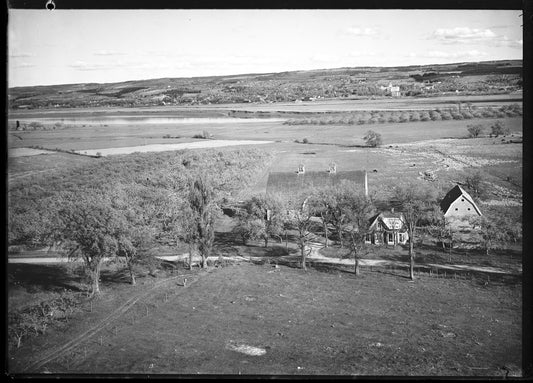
(456, 192)
(383, 217)
(291, 182)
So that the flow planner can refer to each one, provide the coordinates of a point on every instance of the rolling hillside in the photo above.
(489, 77)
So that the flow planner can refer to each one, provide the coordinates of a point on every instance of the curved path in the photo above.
(61, 350)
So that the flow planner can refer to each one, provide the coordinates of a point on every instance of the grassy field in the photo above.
(306, 323)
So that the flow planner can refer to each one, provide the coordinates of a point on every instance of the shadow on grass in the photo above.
(46, 277)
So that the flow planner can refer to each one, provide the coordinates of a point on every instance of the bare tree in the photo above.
(416, 200)
(358, 209)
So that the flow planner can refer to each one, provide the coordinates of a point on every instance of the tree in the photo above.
(499, 128)
(133, 244)
(474, 130)
(358, 209)
(93, 224)
(301, 215)
(322, 203)
(261, 218)
(474, 184)
(372, 138)
(416, 200)
(203, 214)
(438, 226)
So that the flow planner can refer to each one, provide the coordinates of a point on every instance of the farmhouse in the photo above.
(387, 228)
(458, 206)
(393, 90)
(293, 183)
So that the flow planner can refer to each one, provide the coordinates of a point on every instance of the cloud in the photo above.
(449, 55)
(25, 65)
(105, 52)
(356, 31)
(21, 55)
(462, 35)
(361, 54)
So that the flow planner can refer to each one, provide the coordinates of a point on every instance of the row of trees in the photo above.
(496, 129)
(381, 117)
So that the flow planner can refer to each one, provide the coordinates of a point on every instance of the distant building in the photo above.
(387, 228)
(394, 91)
(458, 207)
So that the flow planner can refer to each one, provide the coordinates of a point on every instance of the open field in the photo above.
(296, 322)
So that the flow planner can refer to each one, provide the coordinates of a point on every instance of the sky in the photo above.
(102, 46)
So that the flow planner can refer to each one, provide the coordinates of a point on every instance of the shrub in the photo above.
(467, 115)
(499, 128)
(457, 116)
(425, 116)
(474, 130)
(394, 119)
(446, 116)
(488, 112)
(372, 138)
(305, 141)
(404, 117)
(415, 116)
(435, 115)
(382, 119)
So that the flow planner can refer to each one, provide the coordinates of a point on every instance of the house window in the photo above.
(368, 238)
(400, 237)
(390, 238)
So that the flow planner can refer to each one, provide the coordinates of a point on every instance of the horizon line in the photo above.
(257, 73)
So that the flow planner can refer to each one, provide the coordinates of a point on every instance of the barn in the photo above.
(290, 184)
(458, 207)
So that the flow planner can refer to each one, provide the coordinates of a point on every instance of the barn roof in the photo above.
(456, 192)
(292, 182)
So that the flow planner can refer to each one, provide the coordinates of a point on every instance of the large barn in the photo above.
(294, 183)
(458, 207)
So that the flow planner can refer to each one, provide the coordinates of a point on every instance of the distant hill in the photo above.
(488, 77)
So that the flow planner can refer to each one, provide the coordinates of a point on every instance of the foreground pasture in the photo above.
(248, 319)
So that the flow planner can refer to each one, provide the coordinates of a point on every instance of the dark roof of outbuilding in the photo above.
(292, 182)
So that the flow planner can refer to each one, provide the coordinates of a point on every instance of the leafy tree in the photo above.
(373, 139)
(261, 218)
(474, 130)
(92, 223)
(133, 245)
(499, 128)
(203, 214)
(416, 200)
